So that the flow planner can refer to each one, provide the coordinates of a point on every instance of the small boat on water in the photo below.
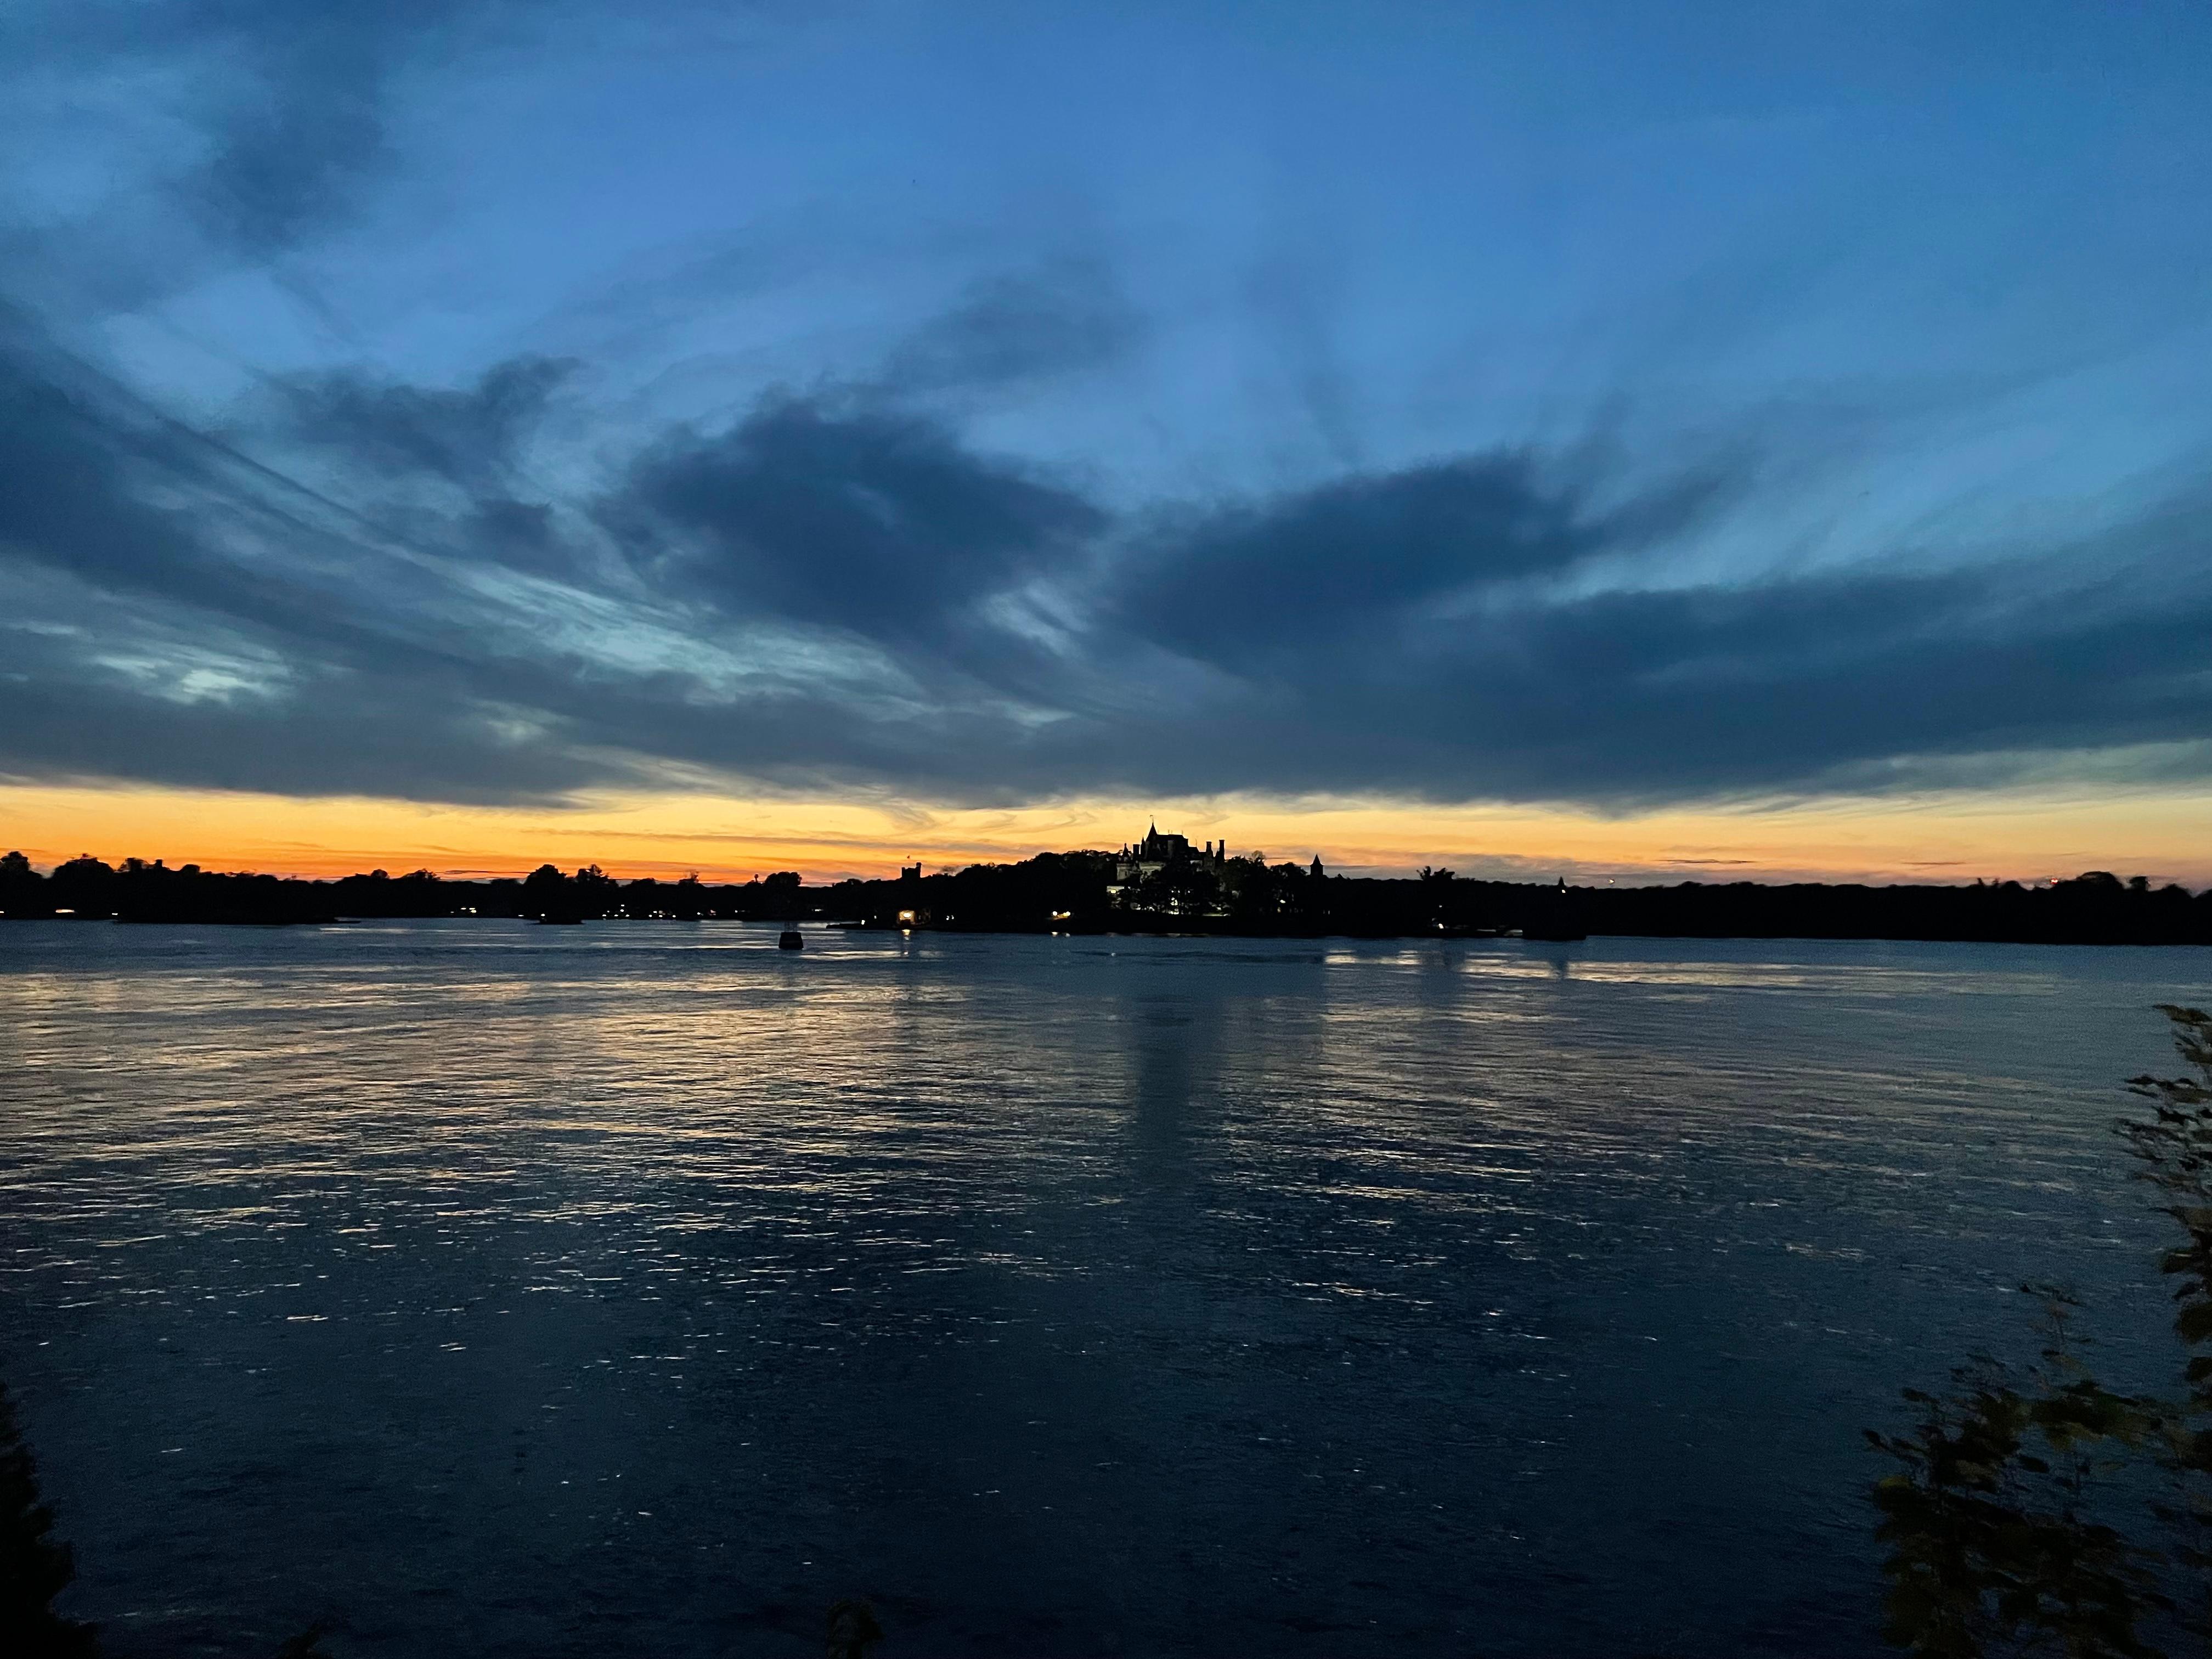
(788, 939)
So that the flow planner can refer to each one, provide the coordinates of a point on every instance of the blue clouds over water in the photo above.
(457, 401)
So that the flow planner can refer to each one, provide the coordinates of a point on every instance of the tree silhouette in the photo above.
(2016, 1522)
(853, 1629)
(2173, 1147)
(34, 1568)
(23, 889)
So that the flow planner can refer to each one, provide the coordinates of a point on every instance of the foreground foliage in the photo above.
(2044, 1512)
(34, 1568)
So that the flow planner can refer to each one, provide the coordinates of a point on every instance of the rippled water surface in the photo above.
(639, 1288)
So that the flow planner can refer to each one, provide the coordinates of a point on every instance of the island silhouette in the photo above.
(1159, 885)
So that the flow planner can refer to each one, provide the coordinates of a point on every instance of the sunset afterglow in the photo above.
(1958, 838)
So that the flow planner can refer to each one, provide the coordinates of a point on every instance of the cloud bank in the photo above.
(831, 591)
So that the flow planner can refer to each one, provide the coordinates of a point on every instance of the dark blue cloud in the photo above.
(291, 104)
(875, 521)
(1245, 586)
(472, 435)
(1064, 319)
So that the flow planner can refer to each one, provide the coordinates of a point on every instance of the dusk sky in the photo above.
(1604, 439)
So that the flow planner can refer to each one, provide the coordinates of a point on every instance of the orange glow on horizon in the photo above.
(2020, 834)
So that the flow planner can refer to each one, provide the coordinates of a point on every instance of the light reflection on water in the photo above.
(643, 1288)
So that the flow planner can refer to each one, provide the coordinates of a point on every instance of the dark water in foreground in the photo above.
(640, 1289)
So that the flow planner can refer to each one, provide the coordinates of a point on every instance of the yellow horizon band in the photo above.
(2018, 834)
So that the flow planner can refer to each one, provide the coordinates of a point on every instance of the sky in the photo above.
(1763, 439)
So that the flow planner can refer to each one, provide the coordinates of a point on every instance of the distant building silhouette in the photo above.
(1558, 915)
(1157, 852)
(911, 911)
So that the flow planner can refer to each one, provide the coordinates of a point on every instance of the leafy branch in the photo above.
(2005, 1518)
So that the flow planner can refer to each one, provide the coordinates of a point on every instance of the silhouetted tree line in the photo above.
(1077, 892)
(88, 889)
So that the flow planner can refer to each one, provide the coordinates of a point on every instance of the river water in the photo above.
(639, 1288)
